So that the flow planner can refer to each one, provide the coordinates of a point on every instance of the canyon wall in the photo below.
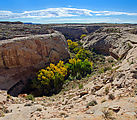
(74, 32)
(110, 41)
(21, 58)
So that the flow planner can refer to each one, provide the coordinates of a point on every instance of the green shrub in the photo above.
(73, 86)
(76, 50)
(79, 68)
(132, 62)
(83, 54)
(80, 86)
(92, 103)
(30, 97)
(97, 58)
(88, 75)
(101, 70)
(110, 60)
(107, 68)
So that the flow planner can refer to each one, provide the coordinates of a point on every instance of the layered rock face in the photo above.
(21, 58)
(111, 41)
(74, 32)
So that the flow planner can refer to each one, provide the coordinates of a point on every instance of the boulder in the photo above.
(21, 58)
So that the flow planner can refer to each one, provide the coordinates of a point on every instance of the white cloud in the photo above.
(59, 12)
(4, 14)
(83, 20)
(106, 13)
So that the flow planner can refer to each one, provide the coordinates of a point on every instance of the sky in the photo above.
(69, 11)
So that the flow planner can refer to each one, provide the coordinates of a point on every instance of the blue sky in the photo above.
(69, 11)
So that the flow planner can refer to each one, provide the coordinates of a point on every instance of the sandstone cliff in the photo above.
(20, 58)
(110, 41)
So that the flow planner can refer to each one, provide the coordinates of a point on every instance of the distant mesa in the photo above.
(29, 23)
(18, 22)
(7, 22)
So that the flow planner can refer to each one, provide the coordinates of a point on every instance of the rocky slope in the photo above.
(20, 58)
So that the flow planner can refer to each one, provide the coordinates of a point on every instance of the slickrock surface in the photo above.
(20, 58)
